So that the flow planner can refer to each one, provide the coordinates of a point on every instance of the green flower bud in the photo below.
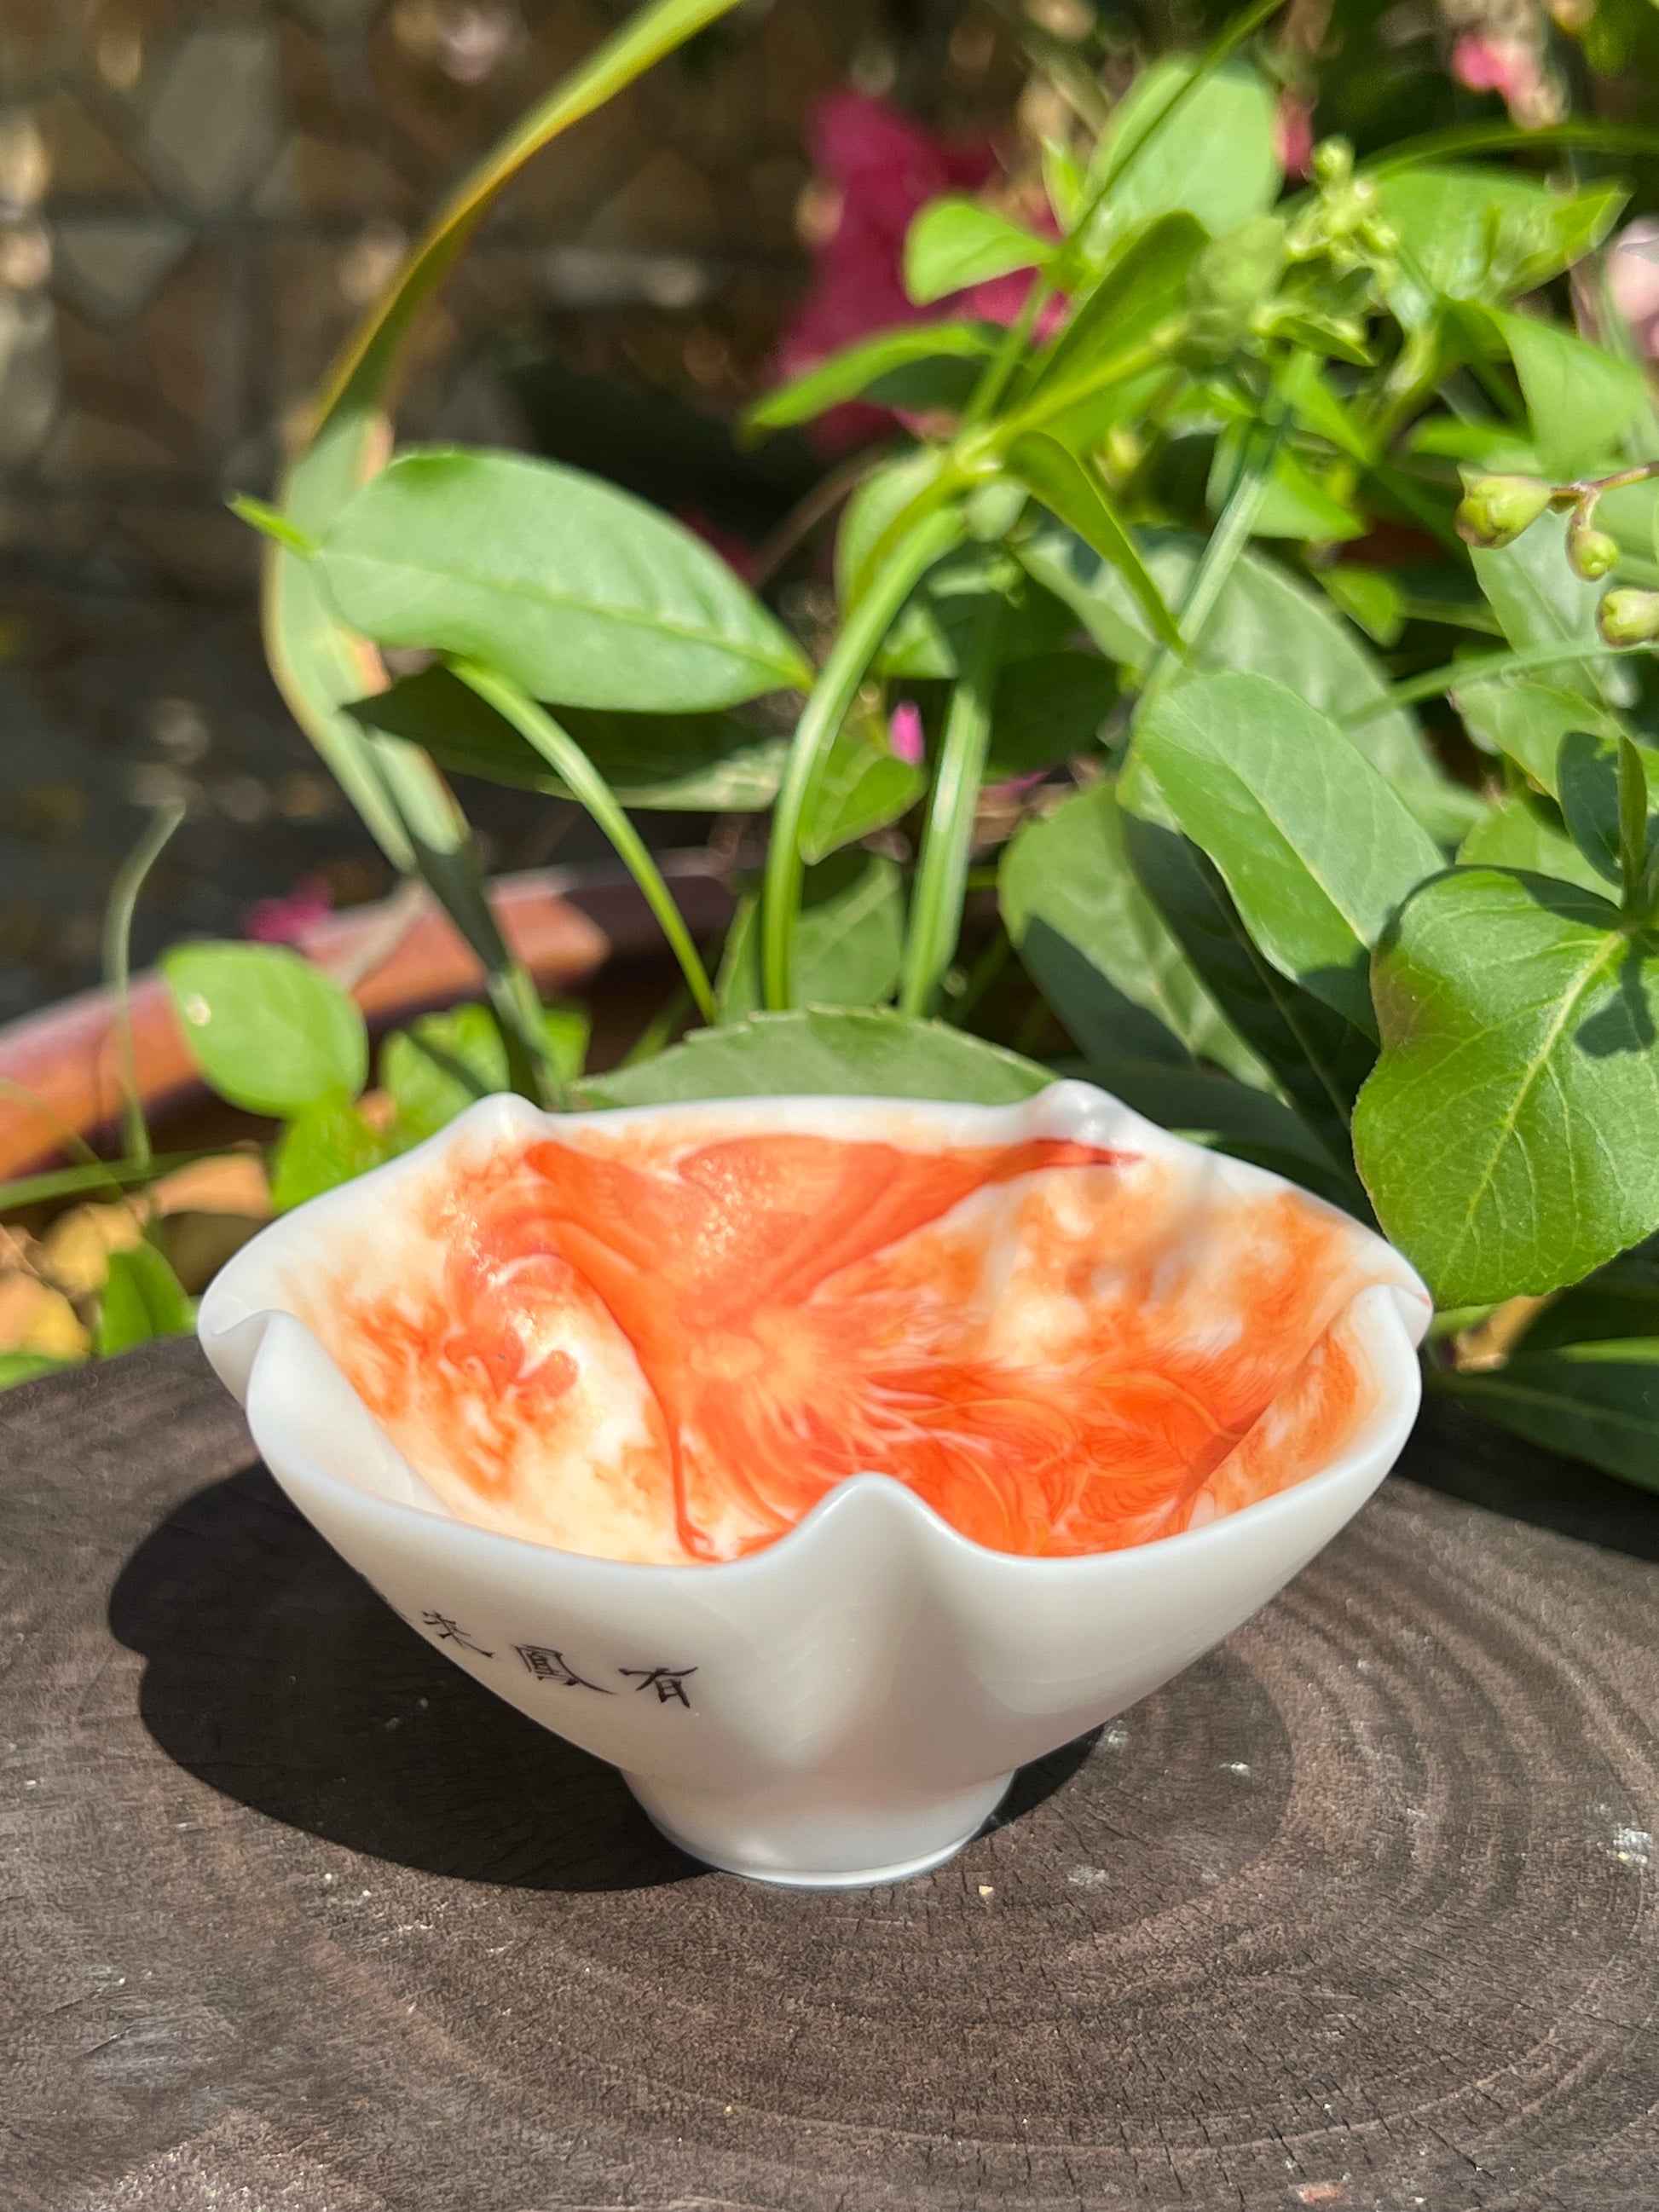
(1495, 510)
(1332, 163)
(1628, 617)
(1592, 552)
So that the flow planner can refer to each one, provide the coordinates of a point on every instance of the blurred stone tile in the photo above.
(206, 553)
(192, 344)
(89, 449)
(216, 115)
(319, 177)
(35, 34)
(83, 162)
(109, 265)
(30, 374)
(664, 203)
(122, 38)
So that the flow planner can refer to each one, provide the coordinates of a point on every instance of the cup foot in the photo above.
(791, 1843)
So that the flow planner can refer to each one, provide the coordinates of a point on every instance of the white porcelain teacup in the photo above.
(821, 1461)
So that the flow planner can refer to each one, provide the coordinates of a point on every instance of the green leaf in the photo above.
(1621, 1299)
(1581, 399)
(1526, 832)
(1476, 233)
(1587, 786)
(143, 1299)
(1525, 720)
(268, 1030)
(1214, 1109)
(442, 1063)
(1217, 157)
(709, 762)
(862, 1052)
(863, 785)
(26, 1367)
(1369, 596)
(1047, 709)
(1098, 949)
(872, 513)
(573, 589)
(1316, 849)
(1265, 622)
(1497, 1137)
(1078, 497)
(96, 1178)
(1295, 502)
(912, 367)
(1319, 1059)
(848, 941)
(932, 631)
(1135, 313)
(1598, 1402)
(953, 243)
(1540, 602)
(324, 1144)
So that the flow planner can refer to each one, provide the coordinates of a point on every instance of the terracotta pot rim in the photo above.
(400, 956)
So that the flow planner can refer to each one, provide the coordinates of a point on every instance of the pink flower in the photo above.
(1513, 68)
(1294, 130)
(904, 733)
(1633, 274)
(286, 920)
(880, 167)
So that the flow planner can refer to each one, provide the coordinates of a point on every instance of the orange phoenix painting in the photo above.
(664, 1343)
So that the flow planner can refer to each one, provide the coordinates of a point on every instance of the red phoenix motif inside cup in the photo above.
(662, 1342)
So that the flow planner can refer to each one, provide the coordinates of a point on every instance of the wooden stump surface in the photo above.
(294, 1917)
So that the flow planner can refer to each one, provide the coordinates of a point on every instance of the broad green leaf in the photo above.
(1525, 831)
(953, 243)
(1077, 496)
(892, 369)
(1295, 502)
(436, 1067)
(268, 1030)
(572, 589)
(1316, 849)
(26, 1367)
(1468, 233)
(1138, 302)
(1265, 622)
(143, 1299)
(1217, 157)
(1581, 398)
(942, 614)
(1598, 1402)
(1047, 709)
(1631, 514)
(1370, 597)
(863, 785)
(1098, 949)
(1587, 787)
(871, 512)
(709, 762)
(1215, 1110)
(1621, 1299)
(1525, 718)
(848, 941)
(1318, 1059)
(324, 1144)
(1539, 601)
(1497, 1137)
(857, 1053)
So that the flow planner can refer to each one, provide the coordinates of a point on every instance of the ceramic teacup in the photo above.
(821, 1461)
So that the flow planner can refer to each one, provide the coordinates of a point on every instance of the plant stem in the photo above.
(118, 968)
(855, 647)
(999, 371)
(936, 897)
(562, 752)
(1478, 668)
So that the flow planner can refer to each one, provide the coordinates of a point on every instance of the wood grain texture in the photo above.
(294, 1917)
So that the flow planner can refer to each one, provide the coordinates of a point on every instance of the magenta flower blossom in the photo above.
(286, 920)
(1633, 274)
(904, 732)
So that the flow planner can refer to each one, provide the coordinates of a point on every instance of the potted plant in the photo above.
(1130, 634)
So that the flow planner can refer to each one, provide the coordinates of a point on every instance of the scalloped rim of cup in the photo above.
(242, 1346)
